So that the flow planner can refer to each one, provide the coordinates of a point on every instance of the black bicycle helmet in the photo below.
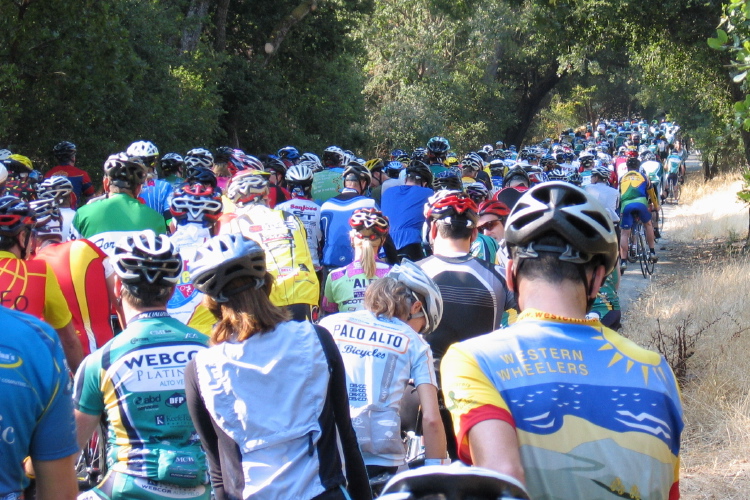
(356, 172)
(447, 180)
(147, 259)
(124, 172)
(224, 258)
(64, 151)
(560, 209)
(516, 172)
(15, 215)
(438, 145)
(418, 170)
(201, 175)
(171, 163)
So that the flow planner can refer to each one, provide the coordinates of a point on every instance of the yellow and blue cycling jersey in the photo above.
(596, 416)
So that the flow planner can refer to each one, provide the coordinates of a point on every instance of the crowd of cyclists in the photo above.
(266, 326)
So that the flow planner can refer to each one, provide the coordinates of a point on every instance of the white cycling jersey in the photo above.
(308, 212)
(186, 298)
(380, 356)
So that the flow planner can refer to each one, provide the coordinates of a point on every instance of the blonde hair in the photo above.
(368, 250)
(389, 298)
(245, 313)
(221, 170)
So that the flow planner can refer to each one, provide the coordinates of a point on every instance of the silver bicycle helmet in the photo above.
(56, 187)
(247, 186)
(49, 220)
(202, 156)
(561, 209)
(428, 292)
(299, 174)
(147, 259)
(123, 172)
(224, 258)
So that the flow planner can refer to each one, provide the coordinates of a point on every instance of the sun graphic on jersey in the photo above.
(632, 355)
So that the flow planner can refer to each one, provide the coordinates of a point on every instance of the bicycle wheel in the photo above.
(647, 265)
(632, 247)
(91, 465)
(661, 217)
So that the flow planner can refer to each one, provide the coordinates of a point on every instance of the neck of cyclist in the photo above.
(128, 310)
(567, 299)
(448, 246)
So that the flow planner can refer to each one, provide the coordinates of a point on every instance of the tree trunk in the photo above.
(222, 10)
(280, 32)
(192, 33)
(531, 101)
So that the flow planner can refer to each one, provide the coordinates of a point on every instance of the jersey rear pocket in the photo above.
(379, 431)
(182, 467)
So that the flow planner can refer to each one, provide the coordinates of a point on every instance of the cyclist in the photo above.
(282, 236)
(299, 179)
(21, 181)
(555, 393)
(137, 380)
(655, 171)
(600, 190)
(61, 190)
(195, 210)
(271, 423)
(516, 177)
(675, 169)
(379, 365)
(471, 164)
(403, 205)
(336, 212)
(474, 292)
(277, 193)
(65, 155)
(345, 287)
(37, 412)
(491, 223)
(106, 221)
(29, 285)
(84, 273)
(289, 155)
(435, 153)
(634, 199)
(392, 170)
(171, 167)
(328, 182)
(155, 192)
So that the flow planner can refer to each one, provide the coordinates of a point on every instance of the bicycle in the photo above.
(673, 191)
(91, 464)
(642, 252)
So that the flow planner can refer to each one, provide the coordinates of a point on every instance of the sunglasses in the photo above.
(490, 225)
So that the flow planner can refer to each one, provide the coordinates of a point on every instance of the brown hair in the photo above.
(246, 313)
(388, 297)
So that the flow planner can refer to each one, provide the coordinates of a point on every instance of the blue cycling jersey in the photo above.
(34, 376)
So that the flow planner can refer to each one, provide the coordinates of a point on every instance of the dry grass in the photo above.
(703, 308)
(709, 210)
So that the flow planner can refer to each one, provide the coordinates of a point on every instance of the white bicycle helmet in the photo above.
(5, 154)
(195, 203)
(561, 209)
(427, 291)
(147, 259)
(247, 186)
(49, 220)
(142, 149)
(201, 157)
(56, 187)
(123, 172)
(224, 258)
(299, 174)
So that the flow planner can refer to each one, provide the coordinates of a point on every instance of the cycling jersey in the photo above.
(485, 248)
(633, 189)
(82, 186)
(108, 220)
(673, 163)
(608, 196)
(596, 416)
(67, 216)
(137, 378)
(334, 223)
(156, 193)
(186, 301)
(475, 298)
(82, 269)
(345, 287)
(404, 207)
(269, 409)
(308, 212)
(607, 300)
(654, 170)
(282, 237)
(327, 184)
(380, 356)
(30, 286)
(36, 417)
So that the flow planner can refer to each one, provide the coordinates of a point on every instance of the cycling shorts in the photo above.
(672, 177)
(626, 220)
(119, 485)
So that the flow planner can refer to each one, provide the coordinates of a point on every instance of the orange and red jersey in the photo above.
(30, 286)
(79, 267)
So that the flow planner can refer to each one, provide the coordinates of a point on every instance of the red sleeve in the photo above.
(472, 418)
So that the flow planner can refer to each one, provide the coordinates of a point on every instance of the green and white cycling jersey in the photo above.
(653, 169)
(107, 221)
(137, 380)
